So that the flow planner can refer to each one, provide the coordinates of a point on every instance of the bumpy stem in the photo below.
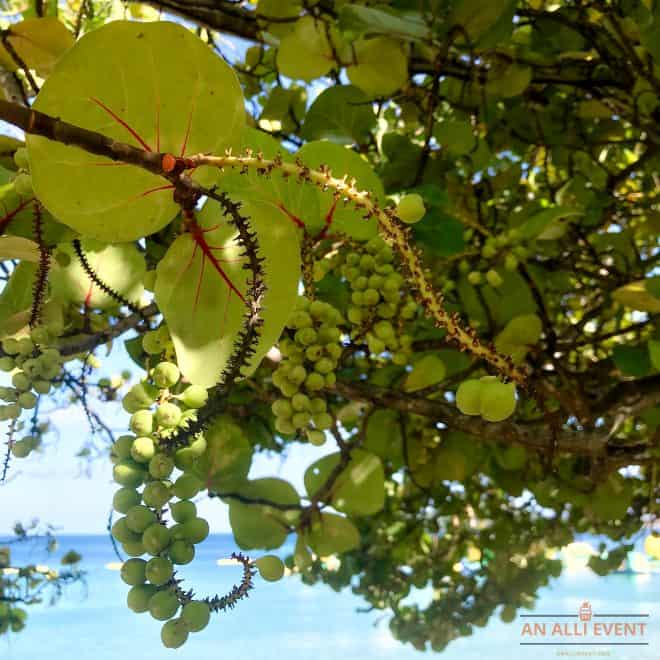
(41, 278)
(33, 121)
(393, 231)
(94, 277)
(238, 591)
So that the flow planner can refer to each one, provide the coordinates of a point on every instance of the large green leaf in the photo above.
(277, 10)
(17, 293)
(654, 353)
(38, 42)
(18, 217)
(307, 52)
(456, 135)
(286, 106)
(17, 247)
(259, 525)
(305, 204)
(168, 87)
(384, 436)
(632, 360)
(428, 370)
(333, 534)
(381, 66)
(121, 267)
(511, 299)
(636, 296)
(359, 488)
(201, 288)
(360, 20)
(479, 19)
(342, 114)
(519, 335)
(549, 223)
(652, 285)
(227, 458)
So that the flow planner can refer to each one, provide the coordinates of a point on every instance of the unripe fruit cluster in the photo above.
(33, 366)
(488, 397)
(506, 245)
(378, 300)
(146, 458)
(23, 180)
(310, 358)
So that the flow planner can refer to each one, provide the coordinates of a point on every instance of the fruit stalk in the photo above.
(393, 231)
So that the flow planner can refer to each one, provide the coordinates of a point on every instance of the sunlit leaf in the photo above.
(121, 267)
(201, 287)
(636, 296)
(16, 296)
(226, 461)
(359, 488)
(181, 97)
(15, 247)
(258, 525)
(39, 42)
(342, 114)
(333, 534)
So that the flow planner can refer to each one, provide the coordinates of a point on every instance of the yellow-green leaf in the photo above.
(333, 534)
(427, 371)
(169, 93)
(17, 247)
(359, 488)
(636, 296)
(39, 42)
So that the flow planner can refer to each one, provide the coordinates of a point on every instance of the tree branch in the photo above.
(535, 436)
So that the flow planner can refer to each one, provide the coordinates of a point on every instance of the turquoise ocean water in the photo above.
(288, 620)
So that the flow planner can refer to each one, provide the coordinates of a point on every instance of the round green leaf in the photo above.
(382, 66)
(359, 489)
(228, 455)
(201, 287)
(636, 296)
(16, 295)
(17, 247)
(306, 52)
(333, 534)
(171, 93)
(519, 335)
(119, 266)
(39, 42)
(427, 371)
(299, 203)
(341, 114)
(384, 436)
(457, 136)
(258, 525)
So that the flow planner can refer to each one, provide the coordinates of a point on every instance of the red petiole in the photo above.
(197, 234)
(169, 161)
(8, 217)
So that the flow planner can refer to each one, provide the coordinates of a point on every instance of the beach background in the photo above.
(287, 619)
